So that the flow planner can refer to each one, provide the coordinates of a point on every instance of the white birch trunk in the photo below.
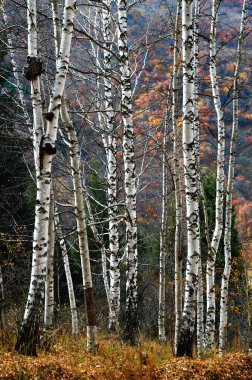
(28, 333)
(229, 193)
(191, 184)
(44, 149)
(177, 182)
(111, 175)
(220, 177)
(70, 288)
(200, 290)
(49, 280)
(92, 342)
(131, 326)
(163, 237)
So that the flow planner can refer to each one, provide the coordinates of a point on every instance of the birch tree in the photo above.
(177, 180)
(44, 150)
(131, 325)
(200, 289)
(49, 279)
(79, 204)
(163, 236)
(229, 192)
(111, 151)
(220, 177)
(92, 342)
(191, 184)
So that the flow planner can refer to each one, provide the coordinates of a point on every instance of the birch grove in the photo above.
(134, 208)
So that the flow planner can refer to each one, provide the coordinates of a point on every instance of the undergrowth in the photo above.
(68, 359)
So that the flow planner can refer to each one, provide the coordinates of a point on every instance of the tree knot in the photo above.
(33, 69)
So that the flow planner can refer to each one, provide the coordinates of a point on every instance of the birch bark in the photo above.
(92, 342)
(200, 290)
(111, 175)
(131, 325)
(44, 149)
(220, 177)
(49, 280)
(28, 333)
(229, 193)
(177, 181)
(191, 184)
(163, 237)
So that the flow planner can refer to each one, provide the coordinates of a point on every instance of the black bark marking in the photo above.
(49, 116)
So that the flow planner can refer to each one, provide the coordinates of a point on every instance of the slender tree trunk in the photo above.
(191, 185)
(100, 242)
(163, 237)
(28, 333)
(131, 325)
(229, 193)
(111, 175)
(177, 182)
(210, 271)
(200, 291)
(44, 149)
(72, 302)
(92, 342)
(49, 280)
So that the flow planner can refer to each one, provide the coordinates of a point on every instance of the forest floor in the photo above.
(68, 359)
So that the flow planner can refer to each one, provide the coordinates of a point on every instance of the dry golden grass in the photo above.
(68, 359)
